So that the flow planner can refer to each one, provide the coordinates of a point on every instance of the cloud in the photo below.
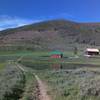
(13, 22)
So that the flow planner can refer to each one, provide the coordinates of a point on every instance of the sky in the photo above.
(15, 13)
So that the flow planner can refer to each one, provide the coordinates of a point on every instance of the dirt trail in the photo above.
(42, 89)
(41, 86)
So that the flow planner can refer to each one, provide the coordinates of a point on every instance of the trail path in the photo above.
(41, 85)
(42, 89)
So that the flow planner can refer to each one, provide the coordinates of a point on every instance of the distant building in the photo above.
(56, 54)
(92, 52)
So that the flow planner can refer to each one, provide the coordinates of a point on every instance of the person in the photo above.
(61, 55)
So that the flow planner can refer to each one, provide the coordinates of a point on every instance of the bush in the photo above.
(12, 81)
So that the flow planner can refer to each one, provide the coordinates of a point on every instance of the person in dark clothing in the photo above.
(61, 55)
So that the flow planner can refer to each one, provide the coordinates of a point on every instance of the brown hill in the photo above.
(54, 34)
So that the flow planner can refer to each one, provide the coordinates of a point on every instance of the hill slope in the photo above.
(54, 34)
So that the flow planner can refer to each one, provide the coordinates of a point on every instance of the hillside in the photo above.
(54, 34)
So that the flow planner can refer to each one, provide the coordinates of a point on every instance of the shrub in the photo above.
(12, 81)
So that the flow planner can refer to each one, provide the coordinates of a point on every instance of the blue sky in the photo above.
(15, 13)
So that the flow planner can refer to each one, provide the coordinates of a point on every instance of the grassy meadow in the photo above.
(69, 78)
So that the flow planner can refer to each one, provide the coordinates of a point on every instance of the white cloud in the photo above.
(12, 22)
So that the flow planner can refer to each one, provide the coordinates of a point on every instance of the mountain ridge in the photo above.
(52, 34)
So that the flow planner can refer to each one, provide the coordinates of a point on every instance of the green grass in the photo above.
(44, 67)
(41, 63)
(62, 86)
(30, 87)
(2, 65)
(35, 53)
(12, 82)
(32, 53)
(68, 84)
